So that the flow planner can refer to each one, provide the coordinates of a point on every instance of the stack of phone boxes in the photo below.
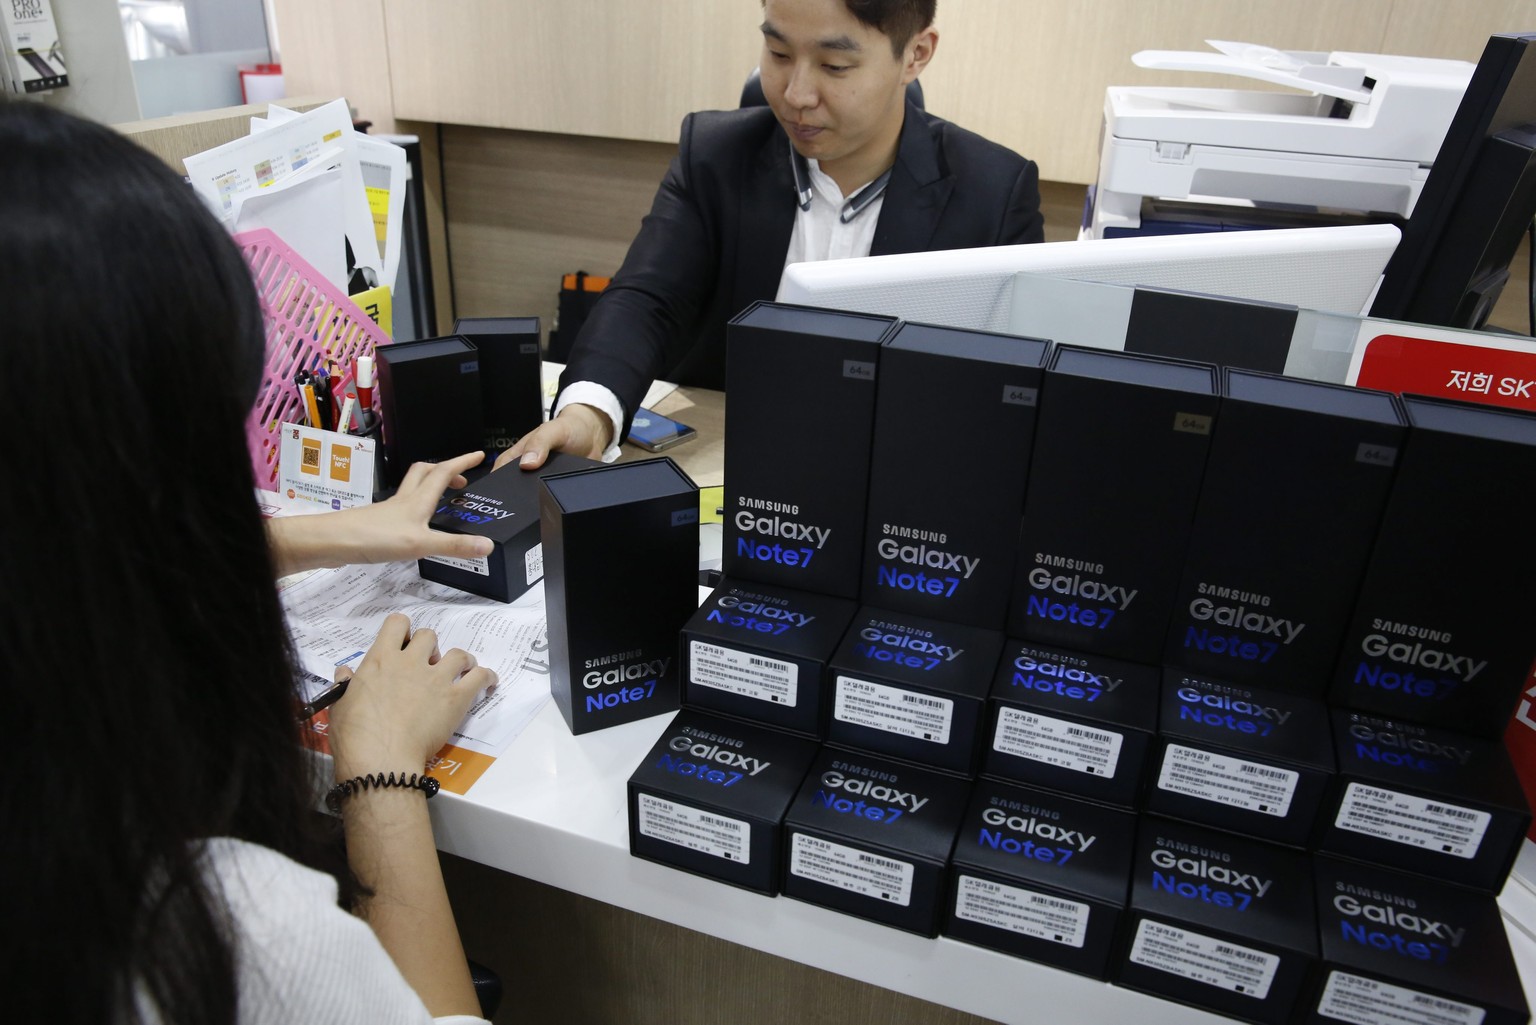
(511, 376)
(1182, 549)
(613, 638)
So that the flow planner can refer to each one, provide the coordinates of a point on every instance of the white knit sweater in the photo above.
(299, 957)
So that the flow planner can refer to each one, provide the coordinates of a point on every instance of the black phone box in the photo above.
(761, 652)
(511, 382)
(913, 688)
(621, 558)
(503, 506)
(1441, 631)
(1294, 488)
(944, 505)
(1220, 922)
(1079, 724)
(1112, 491)
(1253, 761)
(710, 799)
(871, 837)
(1041, 876)
(800, 411)
(1210, 329)
(1402, 948)
(429, 396)
(1424, 800)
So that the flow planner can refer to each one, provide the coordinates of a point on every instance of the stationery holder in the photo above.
(310, 324)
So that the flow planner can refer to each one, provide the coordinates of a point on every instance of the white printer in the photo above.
(1355, 144)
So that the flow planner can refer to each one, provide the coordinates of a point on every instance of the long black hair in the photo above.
(148, 682)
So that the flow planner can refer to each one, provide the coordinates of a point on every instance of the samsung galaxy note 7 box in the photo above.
(1040, 876)
(871, 837)
(1442, 632)
(1424, 800)
(1112, 491)
(912, 688)
(1403, 948)
(1080, 724)
(511, 384)
(429, 392)
(800, 410)
(621, 558)
(1294, 489)
(761, 653)
(1230, 756)
(1220, 922)
(944, 504)
(503, 506)
(710, 798)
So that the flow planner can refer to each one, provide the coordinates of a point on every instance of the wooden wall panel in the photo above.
(1029, 73)
(588, 67)
(524, 208)
(337, 48)
(570, 960)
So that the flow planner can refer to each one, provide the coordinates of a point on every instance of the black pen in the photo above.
(326, 699)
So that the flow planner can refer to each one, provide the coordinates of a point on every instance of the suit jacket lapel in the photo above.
(915, 198)
(767, 218)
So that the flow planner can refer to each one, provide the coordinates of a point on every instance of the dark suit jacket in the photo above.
(715, 239)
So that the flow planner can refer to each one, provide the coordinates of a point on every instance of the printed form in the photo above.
(334, 615)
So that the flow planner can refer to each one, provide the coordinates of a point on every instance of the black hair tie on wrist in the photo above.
(378, 781)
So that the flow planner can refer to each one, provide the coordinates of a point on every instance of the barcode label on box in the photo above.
(533, 564)
(1190, 955)
(1364, 1001)
(1414, 821)
(478, 566)
(1069, 745)
(1021, 911)
(848, 868)
(1234, 782)
(893, 709)
(744, 674)
(727, 838)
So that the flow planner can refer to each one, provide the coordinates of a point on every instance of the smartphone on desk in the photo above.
(654, 432)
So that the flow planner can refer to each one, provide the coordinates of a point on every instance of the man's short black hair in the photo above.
(898, 20)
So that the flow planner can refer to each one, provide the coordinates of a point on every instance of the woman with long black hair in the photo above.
(161, 859)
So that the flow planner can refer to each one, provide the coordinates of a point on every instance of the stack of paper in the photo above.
(326, 190)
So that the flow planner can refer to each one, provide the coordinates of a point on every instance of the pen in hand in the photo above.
(325, 699)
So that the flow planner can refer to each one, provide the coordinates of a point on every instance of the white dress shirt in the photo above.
(819, 234)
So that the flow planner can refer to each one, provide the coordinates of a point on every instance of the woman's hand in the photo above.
(403, 702)
(394, 530)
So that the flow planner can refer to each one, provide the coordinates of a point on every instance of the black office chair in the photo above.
(487, 988)
(752, 91)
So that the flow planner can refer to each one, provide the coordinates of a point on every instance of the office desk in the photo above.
(553, 809)
(703, 458)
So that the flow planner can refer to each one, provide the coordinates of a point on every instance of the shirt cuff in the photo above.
(590, 393)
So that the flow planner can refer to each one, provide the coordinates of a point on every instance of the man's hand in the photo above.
(577, 429)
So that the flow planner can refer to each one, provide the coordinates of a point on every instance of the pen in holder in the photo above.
(367, 421)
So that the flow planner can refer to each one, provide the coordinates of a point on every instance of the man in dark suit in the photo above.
(838, 164)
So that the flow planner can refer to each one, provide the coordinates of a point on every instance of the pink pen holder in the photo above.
(311, 325)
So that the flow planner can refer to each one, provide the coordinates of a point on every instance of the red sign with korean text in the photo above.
(1490, 374)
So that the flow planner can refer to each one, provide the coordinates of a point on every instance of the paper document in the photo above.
(285, 147)
(334, 616)
(385, 172)
(305, 212)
